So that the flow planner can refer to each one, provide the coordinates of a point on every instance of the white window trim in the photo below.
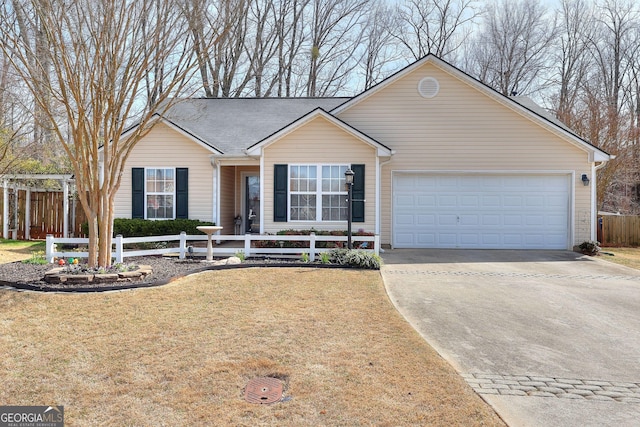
(318, 193)
(147, 193)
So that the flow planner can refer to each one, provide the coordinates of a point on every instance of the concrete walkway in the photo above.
(548, 338)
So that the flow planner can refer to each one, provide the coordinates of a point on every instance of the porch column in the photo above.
(27, 214)
(15, 212)
(65, 208)
(5, 210)
(215, 208)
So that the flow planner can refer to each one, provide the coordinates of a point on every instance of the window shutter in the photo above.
(357, 213)
(182, 193)
(280, 184)
(137, 193)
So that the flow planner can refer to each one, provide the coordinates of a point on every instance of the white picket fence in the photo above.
(184, 249)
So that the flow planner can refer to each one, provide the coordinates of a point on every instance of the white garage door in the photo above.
(481, 211)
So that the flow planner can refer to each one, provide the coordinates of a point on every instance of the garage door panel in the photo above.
(535, 201)
(469, 220)
(469, 239)
(425, 201)
(404, 201)
(446, 201)
(481, 211)
(512, 201)
(470, 201)
(491, 240)
(405, 240)
(425, 238)
(425, 219)
(445, 220)
(534, 220)
(405, 219)
(492, 201)
(449, 240)
(490, 220)
(557, 221)
(512, 220)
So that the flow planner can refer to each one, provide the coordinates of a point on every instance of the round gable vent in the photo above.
(428, 87)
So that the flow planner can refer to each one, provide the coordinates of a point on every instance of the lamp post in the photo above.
(348, 179)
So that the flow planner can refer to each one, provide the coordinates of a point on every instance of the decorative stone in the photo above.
(233, 260)
(102, 278)
(130, 274)
(76, 278)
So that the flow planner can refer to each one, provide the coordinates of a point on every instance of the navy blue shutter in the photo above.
(182, 193)
(280, 185)
(357, 213)
(137, 193)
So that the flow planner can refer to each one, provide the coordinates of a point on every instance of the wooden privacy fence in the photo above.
(46, 214)
(619, 230)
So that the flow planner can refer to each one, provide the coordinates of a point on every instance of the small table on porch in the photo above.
(209, 230)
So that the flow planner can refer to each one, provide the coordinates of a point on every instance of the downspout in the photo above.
(594, 199)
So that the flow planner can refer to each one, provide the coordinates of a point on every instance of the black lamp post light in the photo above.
(348, 178)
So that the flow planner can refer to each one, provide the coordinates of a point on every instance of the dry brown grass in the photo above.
(18, 250)
(624, 256)
(181, 354)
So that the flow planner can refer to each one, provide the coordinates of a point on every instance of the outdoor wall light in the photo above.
(585, 179)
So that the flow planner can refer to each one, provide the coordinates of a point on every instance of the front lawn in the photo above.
(181, 354)
(18, 250)
(624, 256)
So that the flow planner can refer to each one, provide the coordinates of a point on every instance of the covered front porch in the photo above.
(238, 190)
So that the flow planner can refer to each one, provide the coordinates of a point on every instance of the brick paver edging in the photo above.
(514, 274)
(564, 388)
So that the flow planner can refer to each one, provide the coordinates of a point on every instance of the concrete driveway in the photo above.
(548, 338)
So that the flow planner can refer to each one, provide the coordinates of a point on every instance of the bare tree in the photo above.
(572, 55)
(609, 88)
(434, 26)
(511, 52)
(290, 38)
(32, 34)
(99, 56)
(335, 33)
(380, 48)
(219, 30)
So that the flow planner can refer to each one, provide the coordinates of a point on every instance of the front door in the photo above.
(252, 204)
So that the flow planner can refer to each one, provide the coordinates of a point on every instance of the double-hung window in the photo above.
(317, 193)
(160, 193)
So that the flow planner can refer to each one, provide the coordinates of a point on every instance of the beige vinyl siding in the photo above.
(164, 147)
(319, 142)
(462, 129)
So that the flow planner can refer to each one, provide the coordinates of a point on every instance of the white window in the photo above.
(317, 193)
(160, 193)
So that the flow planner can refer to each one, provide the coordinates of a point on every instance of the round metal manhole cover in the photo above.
(263, 390)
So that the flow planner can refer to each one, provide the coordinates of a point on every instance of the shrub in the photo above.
(136, 227)
(590, 247)
(356, 258)
(301, 244)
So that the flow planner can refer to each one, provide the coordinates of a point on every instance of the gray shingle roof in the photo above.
(232, 124)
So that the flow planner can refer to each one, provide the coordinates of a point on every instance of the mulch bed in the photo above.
(23, 276)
